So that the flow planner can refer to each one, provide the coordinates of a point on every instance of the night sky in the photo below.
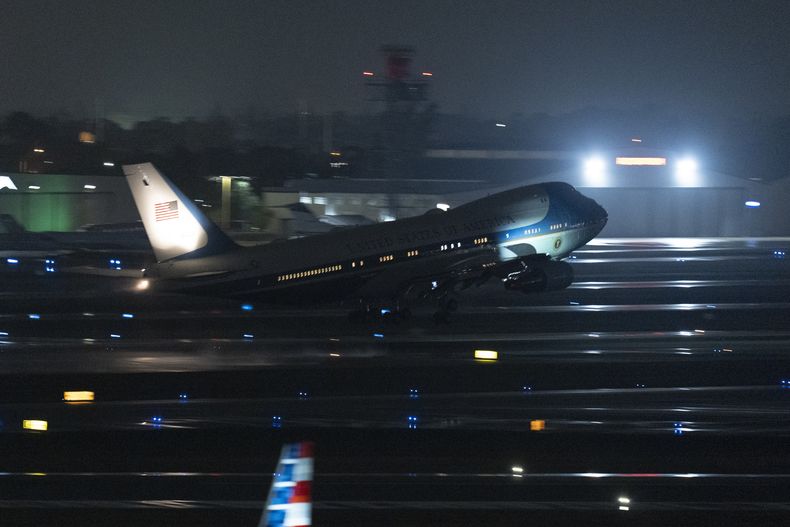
(142, 59)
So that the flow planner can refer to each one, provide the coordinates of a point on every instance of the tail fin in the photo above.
(174, 225)
(290, 501)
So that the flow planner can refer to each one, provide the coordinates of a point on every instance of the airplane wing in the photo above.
(434, 273)
(290, 503)
(446, 273)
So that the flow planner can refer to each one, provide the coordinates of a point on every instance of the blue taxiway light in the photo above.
(11, 261)
(114, 336)
(248, 336)
(128, 315)
(34, 316)
(246, 307)
(378, 335)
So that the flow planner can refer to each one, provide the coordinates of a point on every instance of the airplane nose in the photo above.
(600, 213)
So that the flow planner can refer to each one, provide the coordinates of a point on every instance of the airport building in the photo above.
(647, 193)
(61, 202)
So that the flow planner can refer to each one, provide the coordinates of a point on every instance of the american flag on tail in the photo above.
(167, 210)
(290, 501)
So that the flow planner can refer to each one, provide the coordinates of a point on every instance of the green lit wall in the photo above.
(60, 203)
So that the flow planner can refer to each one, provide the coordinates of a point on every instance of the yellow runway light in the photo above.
(78, 396)
(34, 424)
(536, 425)
(486, 355)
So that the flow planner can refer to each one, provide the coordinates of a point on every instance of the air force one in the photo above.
(518, 237)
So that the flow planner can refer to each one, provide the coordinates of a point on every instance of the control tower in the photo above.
(407, 113)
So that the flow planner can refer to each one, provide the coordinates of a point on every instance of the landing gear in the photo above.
(397, 315)
(447, 306)
(373, 314)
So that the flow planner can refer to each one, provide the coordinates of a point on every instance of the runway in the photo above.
(661, 375)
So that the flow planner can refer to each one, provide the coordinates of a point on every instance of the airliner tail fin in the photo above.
(290, 499)
(174, 224)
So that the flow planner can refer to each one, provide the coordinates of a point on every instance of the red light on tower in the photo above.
(427, 74)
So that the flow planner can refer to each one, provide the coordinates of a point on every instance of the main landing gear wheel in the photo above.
(447, 306)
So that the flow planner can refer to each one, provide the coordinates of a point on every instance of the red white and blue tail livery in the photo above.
(290, 501)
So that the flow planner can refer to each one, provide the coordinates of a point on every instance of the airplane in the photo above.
(290, 499)
(518, 236)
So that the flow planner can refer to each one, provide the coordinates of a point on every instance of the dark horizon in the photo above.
(191, 59)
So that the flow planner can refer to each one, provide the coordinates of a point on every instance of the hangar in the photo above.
(63, 202)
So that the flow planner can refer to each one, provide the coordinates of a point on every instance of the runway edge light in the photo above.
(536, 425)
(486, 355)
(77, 396)
(35, 424)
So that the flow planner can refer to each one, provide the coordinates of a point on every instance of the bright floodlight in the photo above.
(442, 206)
(595, 171)
(752, 204)
(686, 172)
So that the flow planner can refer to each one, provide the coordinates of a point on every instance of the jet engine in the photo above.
(545, 276)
